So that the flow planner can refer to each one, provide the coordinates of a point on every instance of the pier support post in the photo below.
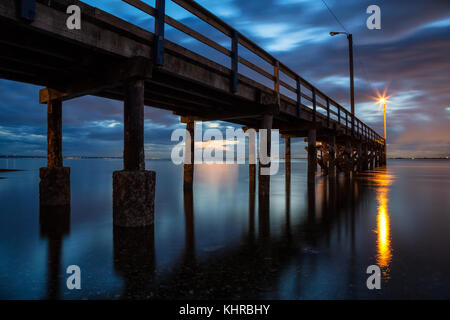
(371, 157)
(189, 155)
(332, 157)
(252, 160)
(380, 156)
(348, 157)
(360, 157)
(54, 187)
(377, 156)
(133, 187)
(365, 157)
(287, 158)
(312, 156)
(264, 149)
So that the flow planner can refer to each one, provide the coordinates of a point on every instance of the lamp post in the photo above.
(383, 101)
(352, 85)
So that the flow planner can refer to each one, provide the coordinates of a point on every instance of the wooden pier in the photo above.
(112, 58)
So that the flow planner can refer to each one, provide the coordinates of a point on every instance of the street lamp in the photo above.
(383, 101)
(352, 86)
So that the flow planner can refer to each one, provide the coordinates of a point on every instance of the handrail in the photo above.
(193, 7)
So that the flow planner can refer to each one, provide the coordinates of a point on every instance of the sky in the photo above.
(408, 58)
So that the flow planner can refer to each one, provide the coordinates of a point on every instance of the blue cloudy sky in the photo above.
(408, 57)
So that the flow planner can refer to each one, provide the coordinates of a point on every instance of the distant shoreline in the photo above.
(118, 158)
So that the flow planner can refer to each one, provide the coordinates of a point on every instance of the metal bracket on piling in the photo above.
(234, 61)
(160, 13)
(27, 10)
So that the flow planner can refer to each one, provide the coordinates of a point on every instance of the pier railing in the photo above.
(304, 92)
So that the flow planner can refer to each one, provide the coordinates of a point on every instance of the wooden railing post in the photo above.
(328, 112)
(276, 74)
(234, 61)
(339, 115)
(313, 91)
(346, 123)
(353, 124)
(160, 9)
(299, 97)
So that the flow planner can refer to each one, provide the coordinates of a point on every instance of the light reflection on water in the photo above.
(381, 180)
(221, 241)
(384, 254)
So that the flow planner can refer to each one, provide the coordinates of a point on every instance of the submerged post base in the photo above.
(133, 198)
(54, 188)
(54, 221)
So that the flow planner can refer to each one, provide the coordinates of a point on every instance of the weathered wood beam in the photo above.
(138, 67)
(51, 20)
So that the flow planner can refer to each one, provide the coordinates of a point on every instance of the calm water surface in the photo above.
(220, 242)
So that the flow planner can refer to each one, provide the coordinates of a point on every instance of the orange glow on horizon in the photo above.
(215, 144)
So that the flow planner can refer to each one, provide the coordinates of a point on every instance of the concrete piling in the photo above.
(312, 156)
(264, 148)
(189, 155)
(54, 186)
(332, 156)
(134, 187)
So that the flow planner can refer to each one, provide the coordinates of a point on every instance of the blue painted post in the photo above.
(27, 9)
(234, 61)
(160, 14)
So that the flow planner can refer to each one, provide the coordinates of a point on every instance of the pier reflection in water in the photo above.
(219, 239)
(254, 268)
(54, 226)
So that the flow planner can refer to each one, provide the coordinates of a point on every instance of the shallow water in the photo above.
(220, 242)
